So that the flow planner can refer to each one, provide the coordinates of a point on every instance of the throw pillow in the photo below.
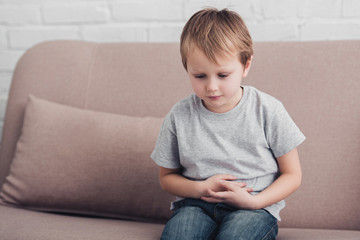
(86, 162)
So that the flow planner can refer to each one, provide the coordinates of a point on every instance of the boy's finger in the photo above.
(219, 195)
(229, 185)
(240, 184)
(211, 200)
(227, 177)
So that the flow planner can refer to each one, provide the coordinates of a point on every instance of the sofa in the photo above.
(82, 119)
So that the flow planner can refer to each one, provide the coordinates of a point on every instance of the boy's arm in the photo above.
(173, 182)
(288, 181)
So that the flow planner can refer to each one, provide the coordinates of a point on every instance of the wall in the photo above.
(24, 23)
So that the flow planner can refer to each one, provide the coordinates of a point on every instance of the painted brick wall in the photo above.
(24, 23)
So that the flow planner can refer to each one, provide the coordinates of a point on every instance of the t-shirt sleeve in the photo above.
(166, 151)
(282, 134)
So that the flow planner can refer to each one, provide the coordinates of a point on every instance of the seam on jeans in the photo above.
(271, 230)
(213, 234)
(215, 213)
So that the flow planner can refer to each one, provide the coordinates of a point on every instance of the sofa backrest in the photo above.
(318, 82)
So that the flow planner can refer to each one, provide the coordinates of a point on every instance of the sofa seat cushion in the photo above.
(316, 234)
(16, 224)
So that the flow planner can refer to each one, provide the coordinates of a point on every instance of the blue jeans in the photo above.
(197, 219)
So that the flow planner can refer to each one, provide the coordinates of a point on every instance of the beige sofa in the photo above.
(75, 164)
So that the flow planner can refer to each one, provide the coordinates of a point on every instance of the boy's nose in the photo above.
(212, 85)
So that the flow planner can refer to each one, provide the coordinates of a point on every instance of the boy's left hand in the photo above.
(234, 195)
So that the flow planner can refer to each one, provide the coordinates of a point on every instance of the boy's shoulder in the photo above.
(262, 99)
(185, 105)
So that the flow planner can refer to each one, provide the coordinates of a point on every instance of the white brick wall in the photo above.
(75, 13)
(24, 23)
(144, 11)
(23, 38)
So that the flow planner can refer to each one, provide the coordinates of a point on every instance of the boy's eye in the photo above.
(200, 76)
(223, 75)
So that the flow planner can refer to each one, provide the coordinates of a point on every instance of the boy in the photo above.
(228, 152)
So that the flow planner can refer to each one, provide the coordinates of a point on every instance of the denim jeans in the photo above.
(197, 219)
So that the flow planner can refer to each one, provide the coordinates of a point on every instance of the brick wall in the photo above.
(24, 23)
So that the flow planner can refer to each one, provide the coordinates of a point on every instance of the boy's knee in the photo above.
(257, 224)
(189, 222)
(188, 213)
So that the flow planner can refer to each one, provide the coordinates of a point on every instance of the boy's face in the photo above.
(217, 84)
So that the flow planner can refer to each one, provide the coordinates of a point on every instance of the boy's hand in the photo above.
(232, 193)
(214, 183)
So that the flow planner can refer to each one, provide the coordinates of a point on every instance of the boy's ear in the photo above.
(247, 67)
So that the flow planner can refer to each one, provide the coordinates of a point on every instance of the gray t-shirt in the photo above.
(244, 141)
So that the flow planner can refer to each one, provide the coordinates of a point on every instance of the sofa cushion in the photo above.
(16, 224)
(316, 234)
(81, 161)
(59, 227)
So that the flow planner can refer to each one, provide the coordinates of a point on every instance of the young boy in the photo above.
(228, 152)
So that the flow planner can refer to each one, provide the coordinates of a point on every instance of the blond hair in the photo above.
(216, 33)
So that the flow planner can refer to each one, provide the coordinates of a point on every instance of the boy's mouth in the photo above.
(214, 97)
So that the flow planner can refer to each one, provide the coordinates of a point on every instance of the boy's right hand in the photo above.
(172, 181)
(214, 184)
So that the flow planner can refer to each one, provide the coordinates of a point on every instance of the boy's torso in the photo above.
(230, 143)
(243, 142)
